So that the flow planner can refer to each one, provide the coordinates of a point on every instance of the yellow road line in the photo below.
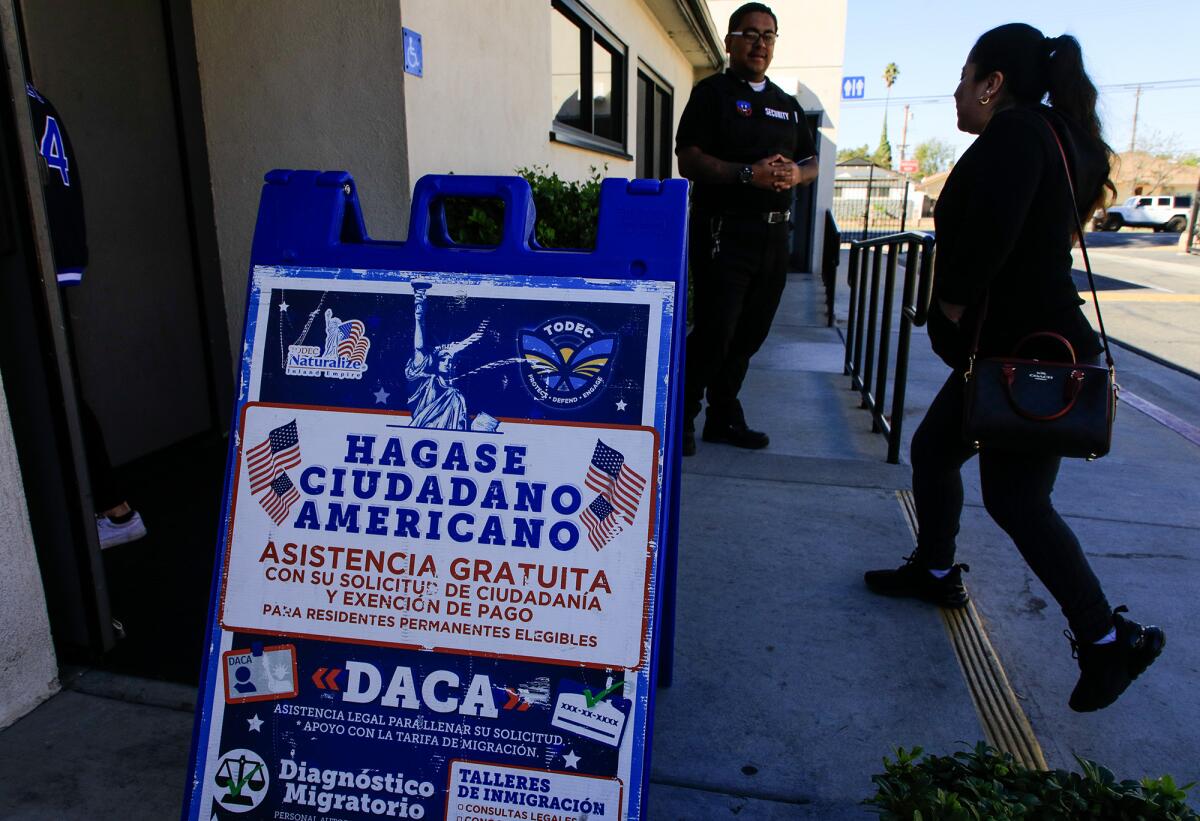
(1140, 296)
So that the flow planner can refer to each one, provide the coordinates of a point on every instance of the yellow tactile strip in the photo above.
(1004, 722)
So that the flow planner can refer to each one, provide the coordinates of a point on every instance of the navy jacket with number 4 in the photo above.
(62, 190)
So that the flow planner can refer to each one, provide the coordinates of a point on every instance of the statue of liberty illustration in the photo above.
(345, 339)
(435, 402)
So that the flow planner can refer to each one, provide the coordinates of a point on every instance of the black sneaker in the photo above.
(915, 580)
(1105, 670)
(736, 434)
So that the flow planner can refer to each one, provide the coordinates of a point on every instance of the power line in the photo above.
(1191, 82)
(1112, 88)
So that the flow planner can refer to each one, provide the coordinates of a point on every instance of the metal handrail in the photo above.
(872, 343)
(831, 253)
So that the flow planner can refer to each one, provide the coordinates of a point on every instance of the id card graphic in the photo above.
(260, 674)
(598, 716)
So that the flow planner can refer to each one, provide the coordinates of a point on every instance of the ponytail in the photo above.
(1070, 90)
(1036, 67)
(1072, 94)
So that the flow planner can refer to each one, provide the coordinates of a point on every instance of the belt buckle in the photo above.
(775, 217)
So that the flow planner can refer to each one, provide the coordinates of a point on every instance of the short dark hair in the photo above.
(735, 19)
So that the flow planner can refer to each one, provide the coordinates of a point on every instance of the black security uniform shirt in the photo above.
(727, 119)
(61, 188)
(1005, 231)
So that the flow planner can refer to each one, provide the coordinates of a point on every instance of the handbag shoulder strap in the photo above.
(1087, 263)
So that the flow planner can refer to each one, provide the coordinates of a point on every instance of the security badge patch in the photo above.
(744, 108)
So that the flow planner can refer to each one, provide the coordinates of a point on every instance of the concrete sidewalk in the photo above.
(791, 680)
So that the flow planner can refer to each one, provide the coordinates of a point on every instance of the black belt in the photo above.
(769, 217)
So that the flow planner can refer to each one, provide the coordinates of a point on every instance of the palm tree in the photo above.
(883, 154)
(890, 74)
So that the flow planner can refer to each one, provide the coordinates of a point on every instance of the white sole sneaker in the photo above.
(112, 534)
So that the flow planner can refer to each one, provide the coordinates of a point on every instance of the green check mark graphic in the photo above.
(236, 789)
(592, 700)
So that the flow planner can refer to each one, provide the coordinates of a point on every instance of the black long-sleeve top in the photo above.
(1005, 229)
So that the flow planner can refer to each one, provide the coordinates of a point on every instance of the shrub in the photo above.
(567, 212)
(986, 784)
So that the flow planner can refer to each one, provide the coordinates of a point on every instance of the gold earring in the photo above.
(985, 99)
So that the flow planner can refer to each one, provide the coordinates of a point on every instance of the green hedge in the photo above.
(567, 212)
(984, 784)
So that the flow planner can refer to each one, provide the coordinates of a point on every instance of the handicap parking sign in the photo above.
(414, 60)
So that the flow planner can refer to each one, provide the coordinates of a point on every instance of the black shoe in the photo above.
(915, 580)
(689, 443)
(1105, 670)
(736, 434)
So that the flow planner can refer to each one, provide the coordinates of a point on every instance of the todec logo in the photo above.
(567, 361)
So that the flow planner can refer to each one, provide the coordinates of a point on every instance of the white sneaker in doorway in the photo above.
(112, 534)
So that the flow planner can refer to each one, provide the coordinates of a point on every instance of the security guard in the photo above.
(745, 144)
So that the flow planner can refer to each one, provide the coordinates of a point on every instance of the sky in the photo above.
(1123, 42)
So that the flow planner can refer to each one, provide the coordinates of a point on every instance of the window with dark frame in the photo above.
(587, 80)
(655, 116)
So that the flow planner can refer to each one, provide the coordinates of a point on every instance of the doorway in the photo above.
(804, 208)
(149, 343)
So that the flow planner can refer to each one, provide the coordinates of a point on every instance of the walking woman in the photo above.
(1004, 234)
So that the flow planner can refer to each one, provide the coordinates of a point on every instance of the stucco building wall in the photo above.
(484, 104)
(28, 670)
(299, 84)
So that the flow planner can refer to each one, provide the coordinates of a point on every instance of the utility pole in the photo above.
(1137, 99)
(1189, 230)
(904, 134)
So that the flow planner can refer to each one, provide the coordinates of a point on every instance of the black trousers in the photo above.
(106, 491)
(738, 269)
(1016, 492)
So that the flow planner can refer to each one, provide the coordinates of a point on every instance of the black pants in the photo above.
(1016, 492)
(738, 269)
(106, 492)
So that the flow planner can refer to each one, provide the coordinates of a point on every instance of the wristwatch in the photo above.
(746, 175)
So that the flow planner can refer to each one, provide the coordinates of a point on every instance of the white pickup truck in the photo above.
(1162, 212)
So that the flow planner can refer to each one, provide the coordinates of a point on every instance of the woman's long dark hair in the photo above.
(1036, 67)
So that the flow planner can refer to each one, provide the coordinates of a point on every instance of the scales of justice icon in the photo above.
(238, 775)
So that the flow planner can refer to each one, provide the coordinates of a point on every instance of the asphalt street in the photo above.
(1150, 296)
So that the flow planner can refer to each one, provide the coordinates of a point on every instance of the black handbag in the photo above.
(1037, 405)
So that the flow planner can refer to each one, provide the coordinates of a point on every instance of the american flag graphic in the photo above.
(352, 342)
(600, 519)
(272, 456)
(609, 476)
(279, 498)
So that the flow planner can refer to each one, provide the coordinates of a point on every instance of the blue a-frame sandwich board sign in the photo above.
(447, 546)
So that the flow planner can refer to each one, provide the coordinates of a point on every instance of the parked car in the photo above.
(1161, 212)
